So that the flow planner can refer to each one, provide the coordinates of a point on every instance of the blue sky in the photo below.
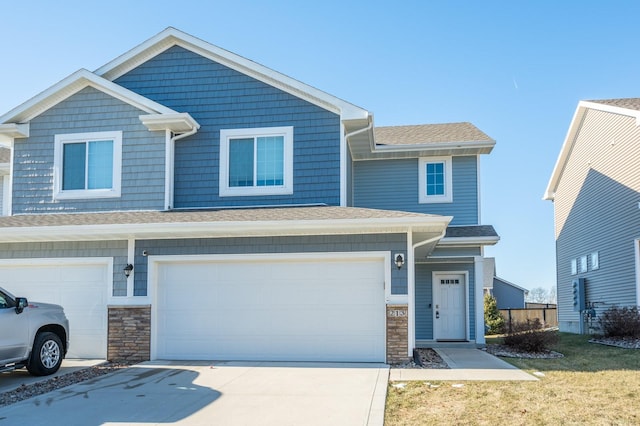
(516, 69)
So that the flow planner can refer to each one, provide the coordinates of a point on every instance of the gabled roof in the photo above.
(319, 220)
(12, 122)
(625, 106)
(505, 282)
(172, 37)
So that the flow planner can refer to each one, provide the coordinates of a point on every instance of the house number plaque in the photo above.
(397, 313)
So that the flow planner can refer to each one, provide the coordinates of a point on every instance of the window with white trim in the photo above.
(574, 266)
(256, 161)
(583, 263)
(595, 261)
(434, 180)
(87, 165)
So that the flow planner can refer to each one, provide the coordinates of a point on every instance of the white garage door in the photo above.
(271, 309)
(79, 287)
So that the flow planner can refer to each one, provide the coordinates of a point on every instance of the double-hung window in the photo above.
(87, 165)
(256, 161)
(434, 180)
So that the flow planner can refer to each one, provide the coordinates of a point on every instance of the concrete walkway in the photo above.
(464, 364)
(11, 380)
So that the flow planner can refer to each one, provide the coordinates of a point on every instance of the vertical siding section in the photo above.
(393, 185)
(221, 98)
(596, 209)
(89, 111)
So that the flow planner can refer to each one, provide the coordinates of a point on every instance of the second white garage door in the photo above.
(295, 308)
(78, 285)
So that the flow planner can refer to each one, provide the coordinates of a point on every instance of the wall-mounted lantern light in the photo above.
(127, 270)
(399, 260)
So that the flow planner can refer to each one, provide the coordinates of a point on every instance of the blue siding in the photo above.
(507, 296)
(143, 156)
(395, 243)
(393, 185)
(115, 249)
(221, 98)
(424, 297)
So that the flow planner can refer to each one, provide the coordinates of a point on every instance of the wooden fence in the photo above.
(547, 316)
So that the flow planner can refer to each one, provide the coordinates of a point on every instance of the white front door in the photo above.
(449, 296)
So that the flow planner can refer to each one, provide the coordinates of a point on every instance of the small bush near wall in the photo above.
(530, 336)
(493, 320)
(620, 322)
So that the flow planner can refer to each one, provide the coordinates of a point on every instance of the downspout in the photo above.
(169, 162)
(343, 156)
(411, 285)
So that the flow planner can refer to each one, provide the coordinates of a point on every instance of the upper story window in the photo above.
(87, 165)
(435, 182)
(256, 161)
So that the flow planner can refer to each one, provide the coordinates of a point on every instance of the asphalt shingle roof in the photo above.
(328, 213)
(429, 133)
(628, 103)
(471, 231)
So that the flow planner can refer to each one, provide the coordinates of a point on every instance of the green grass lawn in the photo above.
(592, 384)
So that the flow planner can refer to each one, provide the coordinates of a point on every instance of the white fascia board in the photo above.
(512, 284)
(176, 122)
(14, 130)
(70, 86)
(220, 229)
(482, 146)
(469, 241)
(172, 37)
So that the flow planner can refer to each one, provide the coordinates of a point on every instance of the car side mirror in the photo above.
(21, 303)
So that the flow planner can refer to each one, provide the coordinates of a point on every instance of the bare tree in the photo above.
(538, 295)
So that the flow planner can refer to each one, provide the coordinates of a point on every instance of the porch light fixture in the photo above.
(127, 270)
(399, 260)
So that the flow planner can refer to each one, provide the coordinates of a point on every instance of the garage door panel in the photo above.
(286, 309)
(81, 289)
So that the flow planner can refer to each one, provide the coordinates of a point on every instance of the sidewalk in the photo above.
(465, 364)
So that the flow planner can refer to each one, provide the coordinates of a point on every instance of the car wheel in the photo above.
(46, 354)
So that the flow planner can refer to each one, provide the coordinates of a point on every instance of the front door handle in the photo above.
(437, 314)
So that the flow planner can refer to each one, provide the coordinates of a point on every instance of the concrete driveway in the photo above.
(205, 393)
(11, 380)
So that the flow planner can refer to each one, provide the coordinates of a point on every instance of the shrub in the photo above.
(493, 320)
(529, 336)
(620, 322)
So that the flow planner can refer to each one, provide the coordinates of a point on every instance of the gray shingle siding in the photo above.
(143, 156)
(221, 98)
(596, 210)
(79, 249)
(393, 185)
(395, 243)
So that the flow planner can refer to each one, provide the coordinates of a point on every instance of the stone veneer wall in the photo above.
(129, 336)
(397, 333)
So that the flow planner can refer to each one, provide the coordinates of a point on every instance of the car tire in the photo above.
(46, 354)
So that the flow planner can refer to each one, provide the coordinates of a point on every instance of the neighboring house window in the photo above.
(435, 182)
(583, 263)
(595, 261)
(574, 266)
(256, 161)
(87, 165)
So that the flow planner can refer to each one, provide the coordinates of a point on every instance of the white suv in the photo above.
(33, 335)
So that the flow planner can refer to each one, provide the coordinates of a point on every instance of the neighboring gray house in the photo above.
(508, 295)
(5, 157)
(595, 188)
(184, 202)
